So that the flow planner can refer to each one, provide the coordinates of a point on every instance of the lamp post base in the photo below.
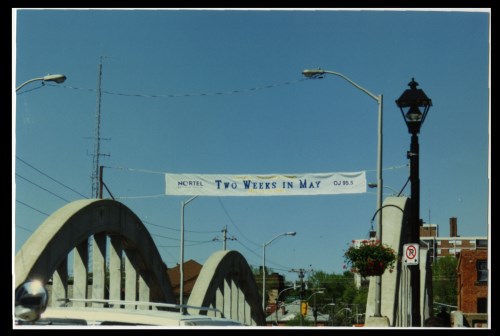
(377, 322)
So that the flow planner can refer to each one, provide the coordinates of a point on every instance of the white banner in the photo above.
(265, 185)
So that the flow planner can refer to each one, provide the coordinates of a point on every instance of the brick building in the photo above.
(275, 284)
(448, 246)
(473, 281)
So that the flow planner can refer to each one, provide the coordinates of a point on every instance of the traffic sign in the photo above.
(411, 254)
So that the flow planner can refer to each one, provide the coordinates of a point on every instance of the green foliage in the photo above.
(444, 280)
(370, 257)
(339, 291)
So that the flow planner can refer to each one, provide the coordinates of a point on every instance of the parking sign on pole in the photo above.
(411, 253)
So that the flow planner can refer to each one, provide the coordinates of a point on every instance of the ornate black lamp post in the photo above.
(414, 105)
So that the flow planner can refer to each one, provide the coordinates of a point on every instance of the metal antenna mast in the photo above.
(97, 145)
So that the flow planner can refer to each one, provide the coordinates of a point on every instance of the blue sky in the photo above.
(221, 92)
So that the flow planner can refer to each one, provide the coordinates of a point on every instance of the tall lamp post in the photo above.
(410, 103)
(49, 78)
(278, 297)
(379, 99)
(291, 233)
(315, 310)
(181, 265)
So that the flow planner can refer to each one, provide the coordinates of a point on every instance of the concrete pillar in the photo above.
(241, 306)
(60, 284)
(227, 297)
(80, 272)
(248, 314)
(234, 299)
(130, 277)
(219, 300)
(98, 268)
(144, 289)
(115, 268)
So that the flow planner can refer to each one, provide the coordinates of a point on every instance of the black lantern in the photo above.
(414, 105)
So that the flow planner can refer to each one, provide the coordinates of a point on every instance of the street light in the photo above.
(315, 310)
(379, 99)
(375, 185)
(278, 297)
(410, 103)
(346, 310)
(333, 306)
(318, 292)
(49, 78)
(181, 265)
(291, 233)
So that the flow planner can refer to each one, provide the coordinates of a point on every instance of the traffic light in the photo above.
(303, 308)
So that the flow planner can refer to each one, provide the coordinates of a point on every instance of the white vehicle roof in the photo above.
(80, 316)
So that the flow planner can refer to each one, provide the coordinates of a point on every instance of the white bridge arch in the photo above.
(126, 264)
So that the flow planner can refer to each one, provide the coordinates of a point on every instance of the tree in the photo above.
(341, 291)
(444, 280)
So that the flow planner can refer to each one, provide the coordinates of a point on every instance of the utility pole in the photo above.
(224, 238)
(302, 291)
(302, 294)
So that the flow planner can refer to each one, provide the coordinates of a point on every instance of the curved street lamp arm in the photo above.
(387, 205)
(281, 234)
(288, 288)
(27, 82)
(49, 78)
(318, 292)
(314, 73)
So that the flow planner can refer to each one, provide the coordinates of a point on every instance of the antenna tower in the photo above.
(97, 138)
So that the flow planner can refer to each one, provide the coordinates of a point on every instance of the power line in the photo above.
(232, 222)
(53, 179)
(201, 94)
(42, 84)
(191, 241)
(50, 192)
(29, 206)
(197, 244)
(168, 228)
(19, 226)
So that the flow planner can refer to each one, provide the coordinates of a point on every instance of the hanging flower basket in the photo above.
(370, 257)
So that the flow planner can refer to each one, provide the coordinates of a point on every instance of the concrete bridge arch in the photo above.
(227, 283)
(136, 270)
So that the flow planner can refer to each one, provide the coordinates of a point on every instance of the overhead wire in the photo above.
(39, 186)
(178, 95)
(29, 206)
(53, 179)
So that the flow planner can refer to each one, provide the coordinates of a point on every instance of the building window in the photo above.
(482, 305)
(482, 271)
(458, 242)
(482, 243)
